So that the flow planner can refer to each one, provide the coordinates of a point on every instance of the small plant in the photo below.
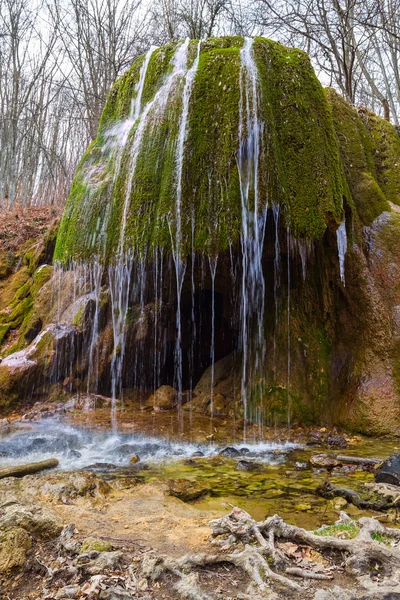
(348, 530)
(377, 536)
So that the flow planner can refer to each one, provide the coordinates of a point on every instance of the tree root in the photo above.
(270, 570)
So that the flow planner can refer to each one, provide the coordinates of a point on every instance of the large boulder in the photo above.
(389, 471)
(164, 398)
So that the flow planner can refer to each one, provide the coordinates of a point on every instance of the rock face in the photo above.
(389, 471)
(160, 228)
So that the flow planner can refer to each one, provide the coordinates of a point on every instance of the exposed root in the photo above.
(269, 569)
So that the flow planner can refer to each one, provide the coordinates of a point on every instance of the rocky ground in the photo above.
(143, 532)
(78, 536)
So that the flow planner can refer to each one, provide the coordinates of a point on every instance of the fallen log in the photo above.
(329, 491)
(29, 469)
(358, 460)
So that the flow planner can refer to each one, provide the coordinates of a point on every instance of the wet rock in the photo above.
(164, 398)
(115, 593)
(100, 467)
(74, 454)
(186, 490)
(339, 503)
(323, 461)
(222, 371)
(336, 441)
(248, 465)
(302, 507)
(315, 439)
(15, 546)
(229, 452)
(198, 453)
(389, 471)
(39, 521)
(134, 459)
(219, 405)
(124, 450)
(95, 544)
(244, 451)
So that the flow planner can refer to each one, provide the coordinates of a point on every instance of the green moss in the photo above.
(351, 529)
(91, 544)
(299, 164)
(299, 139)
(385, 142)
(357, 153)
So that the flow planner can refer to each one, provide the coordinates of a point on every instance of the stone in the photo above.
(222, 370)
(389, 471)
(95, 563)
(15, 546)
(339, 503)
(39, 521)
(115, 593)
(69, 591)
(198, 453)
(229, 452)
(336, 441)
(134, 459)
(302, 506)
(186, 490)
(247, 465)
(323, 461)
(164, 398)
(95, 544)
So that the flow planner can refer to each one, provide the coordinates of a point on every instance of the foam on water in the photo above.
(76, 448)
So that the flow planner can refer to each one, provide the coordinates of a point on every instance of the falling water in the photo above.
(341, 237)
(95, 275)
(120, 273)
(180, 264)
(276, 212)
(289, 407)
(136, 103)
(213, 269)
(253, 224)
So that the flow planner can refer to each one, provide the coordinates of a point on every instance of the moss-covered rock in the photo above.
(91, 544)
(358, 151)
(299, 164)
(15, 545)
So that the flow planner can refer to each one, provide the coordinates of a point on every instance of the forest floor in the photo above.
(22, 224)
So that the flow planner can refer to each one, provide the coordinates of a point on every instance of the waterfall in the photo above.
(95, 276)
(276, 212)
(213, 269)
(120, 273)
(136, 103)
(341, 237)
(289, 407)
(253, 225)
(180, 265)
